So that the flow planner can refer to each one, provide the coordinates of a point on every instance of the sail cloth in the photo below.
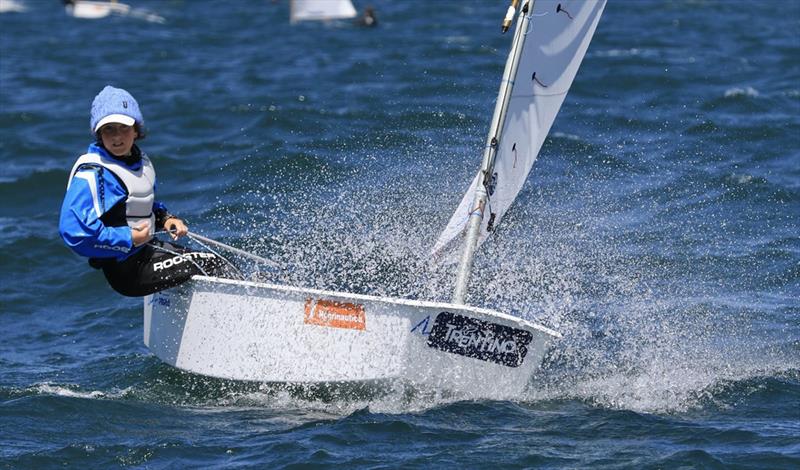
(321, 10)
(554, 46)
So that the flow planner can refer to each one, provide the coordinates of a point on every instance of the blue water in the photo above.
(659, 232)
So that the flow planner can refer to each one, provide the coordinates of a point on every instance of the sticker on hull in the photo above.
(478, 339)
(159, 299)
(335, 314)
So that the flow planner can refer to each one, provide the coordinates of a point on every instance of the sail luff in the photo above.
(555, 36)
(490, 150)
(556, 41)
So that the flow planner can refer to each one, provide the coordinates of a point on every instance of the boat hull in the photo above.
(93, 10)
(271, 333)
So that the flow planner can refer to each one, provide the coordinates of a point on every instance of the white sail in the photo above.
(554, 46)
(12, 6)
(321, 10)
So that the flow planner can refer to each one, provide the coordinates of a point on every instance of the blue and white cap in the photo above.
(114, 105)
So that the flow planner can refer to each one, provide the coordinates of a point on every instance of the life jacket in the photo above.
(139, 185)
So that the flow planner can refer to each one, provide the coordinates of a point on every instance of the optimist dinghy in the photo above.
(320, 10)
(89, 9)
(276, 333)
(92, 10)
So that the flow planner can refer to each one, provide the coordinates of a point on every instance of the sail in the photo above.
(12, 6)
(302, 10)
(553, 48)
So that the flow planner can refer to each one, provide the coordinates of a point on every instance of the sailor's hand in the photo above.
(175, 227)
(140, 233)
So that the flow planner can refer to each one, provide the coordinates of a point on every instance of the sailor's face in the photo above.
(118, 138)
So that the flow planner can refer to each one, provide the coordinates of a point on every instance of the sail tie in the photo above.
(559, 9)
(533, 77)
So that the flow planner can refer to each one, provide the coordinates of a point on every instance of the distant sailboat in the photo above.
(12, 6)
(320, 10)
(277, 333)
(87, 9)
(92, 10)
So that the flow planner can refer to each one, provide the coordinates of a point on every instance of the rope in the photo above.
(241, 275)
(204, 241)
(200, 238)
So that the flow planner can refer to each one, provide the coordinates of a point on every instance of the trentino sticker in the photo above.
(479, 339)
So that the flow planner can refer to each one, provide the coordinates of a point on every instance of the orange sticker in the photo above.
(335, 314)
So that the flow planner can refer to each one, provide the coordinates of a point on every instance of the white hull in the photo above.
(92, 10)
(271, 333)
(321, 10)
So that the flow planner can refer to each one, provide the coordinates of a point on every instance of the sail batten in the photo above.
(556, 39)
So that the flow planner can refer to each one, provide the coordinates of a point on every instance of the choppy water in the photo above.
(658, 232)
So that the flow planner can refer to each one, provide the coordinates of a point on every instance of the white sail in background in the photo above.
(321, 10)
(12, 6)
(554, 46)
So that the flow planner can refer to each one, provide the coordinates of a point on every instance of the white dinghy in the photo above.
(93, 10)
(272, 333)
(275, 333)
(89, 9)
(320, 10)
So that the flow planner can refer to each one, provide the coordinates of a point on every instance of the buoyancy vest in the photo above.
(139, 185)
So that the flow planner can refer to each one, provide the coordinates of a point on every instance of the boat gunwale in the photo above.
(366, 297)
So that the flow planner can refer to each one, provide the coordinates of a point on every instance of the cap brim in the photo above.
(115, 118)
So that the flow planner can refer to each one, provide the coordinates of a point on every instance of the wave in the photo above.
(71, 391)
(60, 390)
(749, 92)
(632, 52)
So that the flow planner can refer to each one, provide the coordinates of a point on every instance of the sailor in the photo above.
(110, 214)
(368, 18)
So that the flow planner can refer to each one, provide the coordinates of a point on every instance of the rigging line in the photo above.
(241, 275)
(269, 263)
(530, 20)
(238, 271)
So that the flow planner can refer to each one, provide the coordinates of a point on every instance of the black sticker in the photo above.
(479, 339)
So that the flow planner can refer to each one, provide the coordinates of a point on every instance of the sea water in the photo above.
(658, 232)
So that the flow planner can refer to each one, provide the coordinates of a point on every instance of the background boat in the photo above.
(321, 10)
(92, 10)
(12, 6)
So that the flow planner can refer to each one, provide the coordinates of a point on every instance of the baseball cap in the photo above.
(114, 105)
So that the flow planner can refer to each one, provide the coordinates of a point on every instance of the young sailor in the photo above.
(368, 18)
(110, 213)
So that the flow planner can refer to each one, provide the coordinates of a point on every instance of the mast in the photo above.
(492, 141)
